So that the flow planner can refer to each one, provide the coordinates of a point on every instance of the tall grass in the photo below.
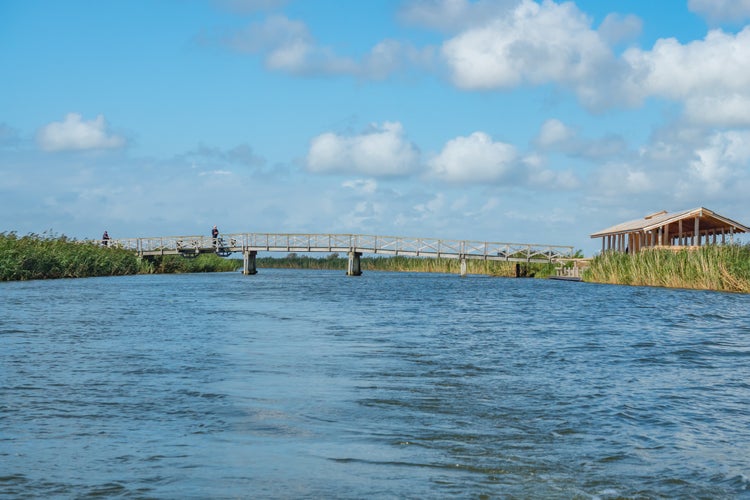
(47, 257)
(40, 256)
(712, 267)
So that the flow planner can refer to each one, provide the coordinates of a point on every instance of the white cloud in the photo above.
(554, 132)
(728, 110)
(75, 134)
(702, 73)
(716, 11)
(536, 43)
(382, 151)
(546, 42)
(474, 159)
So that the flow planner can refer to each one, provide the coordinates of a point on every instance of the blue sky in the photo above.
(504, 120)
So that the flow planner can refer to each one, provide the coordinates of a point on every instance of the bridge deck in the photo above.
(363, 244)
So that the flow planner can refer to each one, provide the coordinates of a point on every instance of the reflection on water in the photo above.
(306, 383)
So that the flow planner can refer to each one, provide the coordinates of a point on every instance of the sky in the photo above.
(495, 120)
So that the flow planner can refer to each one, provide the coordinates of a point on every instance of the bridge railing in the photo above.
(387, 245)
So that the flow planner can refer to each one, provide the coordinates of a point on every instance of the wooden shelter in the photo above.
(689, 228)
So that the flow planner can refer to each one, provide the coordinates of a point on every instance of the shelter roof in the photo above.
(708, 220)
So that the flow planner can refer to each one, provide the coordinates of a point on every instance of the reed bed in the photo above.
(41, 256)
(712, 267)
(48, 257)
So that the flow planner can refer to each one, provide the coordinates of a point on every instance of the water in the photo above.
(306, 384)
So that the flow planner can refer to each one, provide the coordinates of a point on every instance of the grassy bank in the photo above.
(40, 257)
(404, 264)
(48, 257)
(723, 268)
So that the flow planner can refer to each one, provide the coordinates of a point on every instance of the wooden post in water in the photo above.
(248, 262)
(354, 268)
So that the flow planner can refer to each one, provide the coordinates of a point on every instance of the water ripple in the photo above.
(312, 384)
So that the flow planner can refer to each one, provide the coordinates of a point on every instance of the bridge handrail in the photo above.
(363, 243)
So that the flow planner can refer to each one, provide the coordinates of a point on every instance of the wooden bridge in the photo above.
(249, 244)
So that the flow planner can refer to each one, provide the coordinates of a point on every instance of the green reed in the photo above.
(712, 267)
(46, 256)
(49, 256)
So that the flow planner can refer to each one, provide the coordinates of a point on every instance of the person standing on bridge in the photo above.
(215, 235)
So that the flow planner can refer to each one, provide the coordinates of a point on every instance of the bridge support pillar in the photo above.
(354, 268)
(463, 266)
(248, 262)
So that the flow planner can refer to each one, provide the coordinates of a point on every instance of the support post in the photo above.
(354, 268)
(248, 262)
(463, 266)
(696, 233)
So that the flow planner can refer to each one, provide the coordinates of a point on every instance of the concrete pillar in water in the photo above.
(354, 268)
(463, 266)
(248, 262)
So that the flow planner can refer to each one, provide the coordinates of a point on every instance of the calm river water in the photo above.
(308, 384)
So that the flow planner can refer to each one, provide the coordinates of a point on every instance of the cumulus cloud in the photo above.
(727, 110)
(548, 42)
(703, 73)
(720, 62)
(717, 11)
(381, 151)
(474, 159)
(74, 133)
(536, 43)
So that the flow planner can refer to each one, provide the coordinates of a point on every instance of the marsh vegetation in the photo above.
(712, 267)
